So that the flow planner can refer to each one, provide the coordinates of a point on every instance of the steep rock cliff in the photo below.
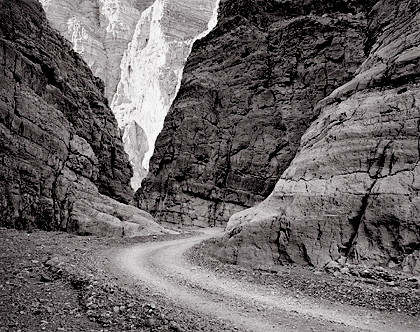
(99, 30)
(151, 71)
(62, 163)
(247, 95)
(352, 192)
(139, 49)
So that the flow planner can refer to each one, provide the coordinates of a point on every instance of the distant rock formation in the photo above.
(139, 49)
(99, 30)
(352, 192)
(248, 94)
(151, 70)
(62, 163)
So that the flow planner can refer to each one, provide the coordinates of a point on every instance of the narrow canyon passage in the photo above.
(162, 268)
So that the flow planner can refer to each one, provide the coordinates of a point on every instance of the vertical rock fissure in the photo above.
(15, 91)
(282, 240)
(358, 219)
(59, 206)
(418, 140)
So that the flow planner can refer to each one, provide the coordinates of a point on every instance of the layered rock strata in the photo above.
(100, 31)
(62, 163)
(139, 49)
(247, 95)
(151, 71)
(352, 192)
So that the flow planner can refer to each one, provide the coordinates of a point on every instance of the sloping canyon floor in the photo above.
(52, 281)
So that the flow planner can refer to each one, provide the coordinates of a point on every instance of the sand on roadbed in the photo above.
(53, 281)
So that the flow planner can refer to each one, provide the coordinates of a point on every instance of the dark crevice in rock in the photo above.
(282, 240)
(306, 257)
(62, 210)
(379, 164)
(357, 221)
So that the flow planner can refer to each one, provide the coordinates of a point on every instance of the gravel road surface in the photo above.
(163, 268)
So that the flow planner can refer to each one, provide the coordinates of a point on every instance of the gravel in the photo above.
(374, 288)
(52, 281)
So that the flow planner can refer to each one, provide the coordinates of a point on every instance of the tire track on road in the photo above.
(162, 267)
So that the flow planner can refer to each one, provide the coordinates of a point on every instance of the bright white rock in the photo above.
(138, 48)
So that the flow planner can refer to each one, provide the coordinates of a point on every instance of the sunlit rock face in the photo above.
(352, 192)
(99, 30)
(248, 94)
(138, 48)
(152, 67)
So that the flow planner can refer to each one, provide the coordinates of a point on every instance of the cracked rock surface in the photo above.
(62, 163)
(248, 94)
(351, 194)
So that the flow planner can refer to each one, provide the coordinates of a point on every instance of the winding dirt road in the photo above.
(162, 267)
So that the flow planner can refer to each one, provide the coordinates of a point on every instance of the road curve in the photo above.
(162, 268)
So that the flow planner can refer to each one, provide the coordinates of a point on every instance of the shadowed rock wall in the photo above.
(352, 192)
(62, 163)
(247, 95)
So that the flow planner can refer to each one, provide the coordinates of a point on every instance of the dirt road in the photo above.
(162, 267)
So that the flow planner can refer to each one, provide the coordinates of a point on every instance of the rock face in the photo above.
(247, 95)
(99, 30)
(352, 192)
(62, 163)
(139, 47)
(151, 71)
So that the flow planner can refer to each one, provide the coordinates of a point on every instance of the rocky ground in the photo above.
(60, 282)
(53, 281)
(374, 288)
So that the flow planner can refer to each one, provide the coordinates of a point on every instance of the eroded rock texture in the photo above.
(248, 94)
(99, 30)
(138, 48)
(352, 192)
(62, 163)
(151, 71)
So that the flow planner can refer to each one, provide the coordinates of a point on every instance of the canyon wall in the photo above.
(62, 163)
(248, 94)
(139, 49)
(99, 30)
(351, 194)
(151, 71)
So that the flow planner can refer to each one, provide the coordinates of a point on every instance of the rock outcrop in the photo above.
(62, 163)
(139, 49)
(352, 192)
(247, 95)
